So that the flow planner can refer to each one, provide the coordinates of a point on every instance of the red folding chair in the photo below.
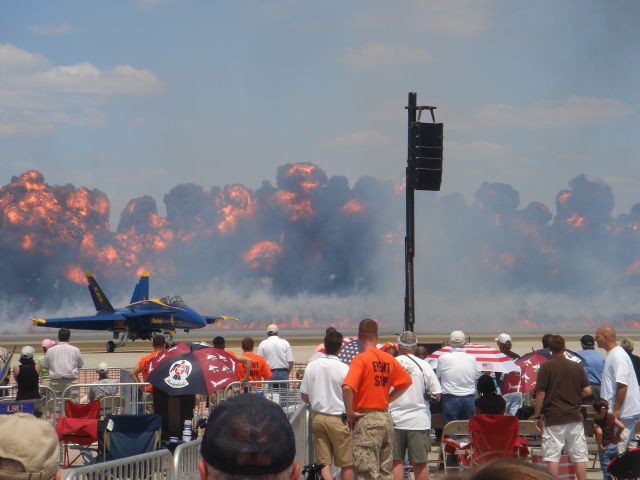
(494, 436)
(78, 427)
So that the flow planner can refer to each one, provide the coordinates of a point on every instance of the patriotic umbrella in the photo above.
(530, 364)
(345, 340)
(351, 349)
(189, 369)
(489, 359)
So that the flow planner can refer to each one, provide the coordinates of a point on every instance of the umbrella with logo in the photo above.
(530, 364)
(488, 359)
(189, 369)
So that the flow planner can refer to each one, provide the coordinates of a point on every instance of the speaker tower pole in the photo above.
(409, 311)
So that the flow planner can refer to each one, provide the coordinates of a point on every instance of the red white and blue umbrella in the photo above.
(190, 369)
(530, 364)
(488, 359)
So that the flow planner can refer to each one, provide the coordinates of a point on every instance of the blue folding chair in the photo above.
(128, 435)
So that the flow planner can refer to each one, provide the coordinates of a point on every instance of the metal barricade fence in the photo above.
(47, 397)
(185, 460)
(285, 393)
(128, 397)
(156, 465)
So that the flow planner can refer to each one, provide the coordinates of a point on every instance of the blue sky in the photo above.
(134, 97)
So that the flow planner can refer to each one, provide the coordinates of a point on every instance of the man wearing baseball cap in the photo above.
(411, 413)
(457, 374)
(593, 365)
(277, 352)
(509, 383)
(248, 436)
(103, 389)
(31, 452)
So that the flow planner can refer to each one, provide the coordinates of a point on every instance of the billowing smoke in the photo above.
(313, 250)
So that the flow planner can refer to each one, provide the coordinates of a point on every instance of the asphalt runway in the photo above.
(93, 349)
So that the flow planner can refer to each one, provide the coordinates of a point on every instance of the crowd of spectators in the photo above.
(371, 418)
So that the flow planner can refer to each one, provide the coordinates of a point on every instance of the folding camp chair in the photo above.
(453, 428)
(127, 435)
(493, 436)
(626, 466)
(78, 427)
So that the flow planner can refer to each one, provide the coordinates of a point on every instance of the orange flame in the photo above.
(304, 169)
(564, 196)
(576, 222)
(353, 206)
(263, 255)
(27, 243)
(75, 274)
(234, 202)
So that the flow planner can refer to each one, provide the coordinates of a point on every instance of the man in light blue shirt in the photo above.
(593, 366)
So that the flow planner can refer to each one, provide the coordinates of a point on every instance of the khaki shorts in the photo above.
(332, 439)
(570, 436)
(415, 442)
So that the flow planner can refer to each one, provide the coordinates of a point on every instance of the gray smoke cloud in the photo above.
(313, 250)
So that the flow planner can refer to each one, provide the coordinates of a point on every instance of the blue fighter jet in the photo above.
(141, 319)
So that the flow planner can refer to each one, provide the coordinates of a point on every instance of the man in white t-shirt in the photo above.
(321, 387)
(278, 354)
(410, 412)
(619, 385)
(457, 373)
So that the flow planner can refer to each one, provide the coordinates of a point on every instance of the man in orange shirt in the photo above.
(366, 392)
(260, 368)
(159, 344)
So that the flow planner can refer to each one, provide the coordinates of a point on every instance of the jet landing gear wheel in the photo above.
(111, 346)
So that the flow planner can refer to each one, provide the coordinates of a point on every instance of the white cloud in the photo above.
(36, 96)
(12, 57)
(573, 112)
(30, 123)
(380, 55)
(51, 30)
(459, 17)
(86, 78)
(360, 139)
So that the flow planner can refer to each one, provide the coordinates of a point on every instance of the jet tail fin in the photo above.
(141, 292)
(99, 298)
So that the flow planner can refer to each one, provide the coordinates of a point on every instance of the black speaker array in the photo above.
(425, 156)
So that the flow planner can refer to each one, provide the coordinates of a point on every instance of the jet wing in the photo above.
(90, 322)
(218, 319)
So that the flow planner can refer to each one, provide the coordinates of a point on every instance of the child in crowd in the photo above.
(608, 429)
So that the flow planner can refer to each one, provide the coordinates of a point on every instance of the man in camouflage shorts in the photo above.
(365, 391)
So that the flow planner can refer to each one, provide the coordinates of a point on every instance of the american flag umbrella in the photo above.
(345, 340)
(189, 369)
(351, 349)
(530, 364)
(488, 359)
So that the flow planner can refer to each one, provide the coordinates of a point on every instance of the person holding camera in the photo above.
(321, 387)
(410, 412)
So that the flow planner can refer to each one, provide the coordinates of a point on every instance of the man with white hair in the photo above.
(619, 384)
(410, 412)
(32, 451)
(457, 373)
